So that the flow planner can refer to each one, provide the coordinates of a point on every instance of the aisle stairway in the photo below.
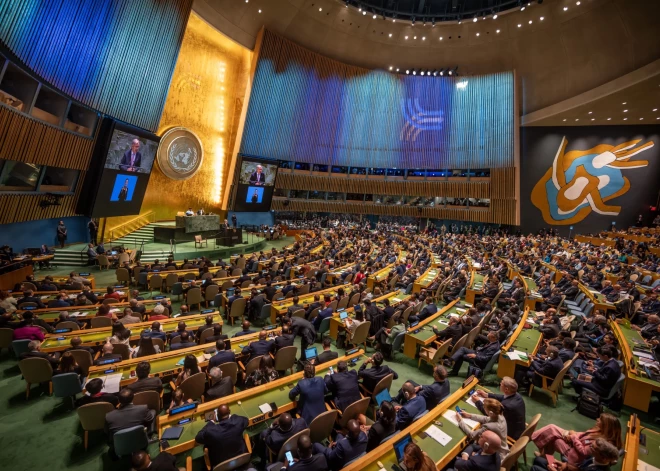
(74, 256)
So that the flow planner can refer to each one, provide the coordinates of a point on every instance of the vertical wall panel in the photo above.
(116, 56)
(308, 108)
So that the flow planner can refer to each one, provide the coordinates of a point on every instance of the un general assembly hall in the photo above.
(324, 235)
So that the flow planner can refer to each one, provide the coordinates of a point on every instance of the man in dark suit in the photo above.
(34, 351)
(479, 357)
(345, 448)
(76, 344)
(435, 393)
(414, 405)
(327, 354)
(144, 382)
(343, 385)
(323, 313)
(371, 376)
(294, 307)
(246, 330)
(258, 177)
(275, 436)
(132, 158)
(208, 324)
(454, 330)
(217, 335)
(603, 379)
(223, 439)
(108, 355)
(427, 311)
(512, 402)
(94, 394)
(61, 300)
(186, 341)
(316, 304)
(154, 332)
(488, 459)
(128, 415)
(269, 291)
(221, 386)
(285, 339)
(305, 330)
(307, 460)
(224, 355)
(260, 347)
(164, 461)
(123, 196)
(255, 306)
(28, 297)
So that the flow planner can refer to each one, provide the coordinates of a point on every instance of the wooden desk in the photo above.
(424, 281)
(422, 334)
(526, 340)
(638, 456)
(279, 308)
(9, 279)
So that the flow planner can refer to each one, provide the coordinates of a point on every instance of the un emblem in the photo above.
(180, 153)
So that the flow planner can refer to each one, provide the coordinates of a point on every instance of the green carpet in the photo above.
(43, 432)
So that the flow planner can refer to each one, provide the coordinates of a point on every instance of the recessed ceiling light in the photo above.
(609, 119)
(657, 118)
(406, 37)
(397, 69)
(246, 1)
(360, 9)
(564, 119)
(593, 119)
(625, 119)
(321, 9)
(440, 38)
(565, 8)
(530, 22)
(259, 10)
(641, 119)
(495, 16)
(577, 119)
(364, 12)
(474, 21)
(624, 103)
(522, 9)
(414, 37)
(519, 25)
(390, 35)
(655, 109)
(498, 31)
(578, 2)
(477, 34)
(423, 38)
(542, 18)
(374, 17)
(590, 112)
(625, 111)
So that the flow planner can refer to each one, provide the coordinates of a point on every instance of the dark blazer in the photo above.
(259, 348)
(146, 384)
(371, 376)
(258, 177)
(180, 345)
(344, 388)
(514, 412)
(127, 417)
(126, 160)
(434, 393)
(316, 462)
(549, 368)
(479, 462)
(312, 393)
(303, 328)
(605, 377)
(104, 397)
(566, 354)
(327, 356)
(377, 432)
(86, 349)
(58, 303)
(224, 440)
(453, 332)
(345, 450)
(221, 389)
(164, 461)
(224, 356)
(285, 340)
(275, 438)
(485, 353)
(427, 311)
(31, 299)
(243, 332)
(409, 411)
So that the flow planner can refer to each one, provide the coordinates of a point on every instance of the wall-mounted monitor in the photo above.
(256, 182)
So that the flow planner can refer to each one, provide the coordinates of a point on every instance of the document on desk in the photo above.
(450, 415)
(111, 383)
(642, 466)
(470, 401)
(265, 408)
(438, 435)
(639, 354)
(513, 356)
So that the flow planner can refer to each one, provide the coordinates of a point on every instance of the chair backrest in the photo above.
(361, 333)
(441, 351)
(333, 305)
(101, 322)
(123, 257)
(92, 416)
(398, 341)
(314, 313)
(406, 314)
(554, 387)
(6, 337)
(227, 284)
(66, 385)
(206, 333)
(325, 326)
(67, 325)
(156, 282)
(298, 313)
(193, 386)
(265, 311)
(489, 366)
(579, 297)
(616, 388)
(121, 349)
(246, 283)
(354, 300)
(211, 292)
(384, 383)
(83, 358)
(123, 274)
(198, 238)
(236, 272)
(36, 370)
(170, 279)
(230, 369)
(130, 440)
(516, 450)
(238, 307)
(107, 301)
(252, 365)
(19, 346)
(237, 462)
(472, 335)
(291, 444)
(27, 285)
(151, 399)
(285, 358)
(194, 296)
(177, 288)
(459, 344)
(531, 427)
(352, 411)
(221, 273)
(322, 425)
(104, 262)
(343, 302)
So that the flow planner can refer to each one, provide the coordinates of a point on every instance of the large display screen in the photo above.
(256, 182)
(129, 157)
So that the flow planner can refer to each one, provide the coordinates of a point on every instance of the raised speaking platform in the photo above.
(208, 226)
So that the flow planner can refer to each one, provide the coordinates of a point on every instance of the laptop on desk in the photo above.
(343, 316)
(384, 395)
(399, 449)
(311, 353)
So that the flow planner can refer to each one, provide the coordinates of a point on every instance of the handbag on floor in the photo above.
(589, 404)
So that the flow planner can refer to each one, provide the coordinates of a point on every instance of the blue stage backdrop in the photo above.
(116, 56)
(308, 108)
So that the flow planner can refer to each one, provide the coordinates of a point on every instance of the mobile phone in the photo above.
(458, 409)
(289, 458)
(164, 444)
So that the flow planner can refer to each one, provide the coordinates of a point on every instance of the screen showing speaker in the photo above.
(128, 156)
(256, 183)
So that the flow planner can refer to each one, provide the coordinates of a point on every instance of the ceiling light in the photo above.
(577, 119)
(593, 119)
(374, 17)
(565, 8)
(397, 69)
(414, 37)
(260, 10)
(475, 20)
(590, 112)
(459, 22)
(423, 38)
(609, 119)
(390, 35)
(360, 9)
(655, 109)
(522, 9)
(657, 118)
(320, 9)
(641, 119)
(519, 25)
(440, 38)
(450, 72)
(498, 31)
(391, 67)
(246, 1)
(542, 18)
(625, 119)
(407, 71)
(477, 34)
(406, 37)
(624, 103)
(442, 72)
(364, 12)
(530, 22)
(414, 72)
(578, 3)
(421, 73)
(393, 20)
(495, 16)
(625, 111)
(564, 119)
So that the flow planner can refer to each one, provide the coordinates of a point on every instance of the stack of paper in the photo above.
(450, 415)
(265, 408)
(642, 466)
(438, 435)
(111, 383)
(645, 355)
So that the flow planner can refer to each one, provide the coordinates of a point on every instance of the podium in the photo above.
(187, 227)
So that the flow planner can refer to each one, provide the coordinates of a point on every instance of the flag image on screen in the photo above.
(123, 188)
